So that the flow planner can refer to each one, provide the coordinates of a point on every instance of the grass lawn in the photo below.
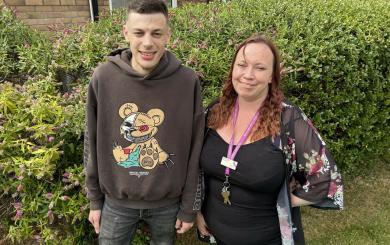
(365, 219)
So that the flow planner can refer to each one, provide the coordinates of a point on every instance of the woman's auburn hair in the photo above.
(269, 119)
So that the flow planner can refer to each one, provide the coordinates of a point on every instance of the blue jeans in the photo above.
(118, 224)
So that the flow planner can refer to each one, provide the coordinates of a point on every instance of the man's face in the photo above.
(147, 35)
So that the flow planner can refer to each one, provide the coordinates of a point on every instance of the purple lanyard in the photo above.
(231, 154)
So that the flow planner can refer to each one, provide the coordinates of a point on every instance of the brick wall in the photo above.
(41, 14)
(56, 14)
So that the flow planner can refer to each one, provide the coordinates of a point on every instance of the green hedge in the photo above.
(41, 179)
(336, 63)
(23, 51)
(336, 59)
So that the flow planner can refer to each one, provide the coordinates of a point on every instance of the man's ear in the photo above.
(125, 32)
(169, 35)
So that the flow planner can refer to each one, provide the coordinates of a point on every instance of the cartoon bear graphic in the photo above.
(139, 129)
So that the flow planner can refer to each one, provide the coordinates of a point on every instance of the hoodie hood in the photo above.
(167, 65)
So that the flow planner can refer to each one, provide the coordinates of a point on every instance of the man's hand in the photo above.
(182, 226)
(202, 226)
(94, 218)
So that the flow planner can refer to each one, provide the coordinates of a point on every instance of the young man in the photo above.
(144, 135)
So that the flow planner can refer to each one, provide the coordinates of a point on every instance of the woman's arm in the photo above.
(320, 183)
(297, 202)
(201, 224)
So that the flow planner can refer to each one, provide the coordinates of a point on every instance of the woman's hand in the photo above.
(202, 226)
(296, 201)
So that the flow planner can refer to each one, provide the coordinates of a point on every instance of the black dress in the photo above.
(252, 217)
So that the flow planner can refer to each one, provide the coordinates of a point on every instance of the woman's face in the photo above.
(252, 71)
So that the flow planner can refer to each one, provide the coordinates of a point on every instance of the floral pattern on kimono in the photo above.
(310, 163)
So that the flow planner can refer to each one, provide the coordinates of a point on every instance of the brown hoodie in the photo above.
(144, 135)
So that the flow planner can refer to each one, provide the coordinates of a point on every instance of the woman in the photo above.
(257, 146)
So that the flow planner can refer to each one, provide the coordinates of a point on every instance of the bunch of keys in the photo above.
(225, 191)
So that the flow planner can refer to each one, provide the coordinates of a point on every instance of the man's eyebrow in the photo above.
(153, 30)
(157, 29)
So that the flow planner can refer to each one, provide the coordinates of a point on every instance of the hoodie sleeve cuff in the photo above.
(186, 217)
(96, 205)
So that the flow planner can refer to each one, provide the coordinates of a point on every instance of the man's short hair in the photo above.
(148, 7)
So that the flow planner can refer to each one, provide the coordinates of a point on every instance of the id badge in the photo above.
(229, 163)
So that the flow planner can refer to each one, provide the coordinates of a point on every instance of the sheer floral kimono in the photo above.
(308, 162)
